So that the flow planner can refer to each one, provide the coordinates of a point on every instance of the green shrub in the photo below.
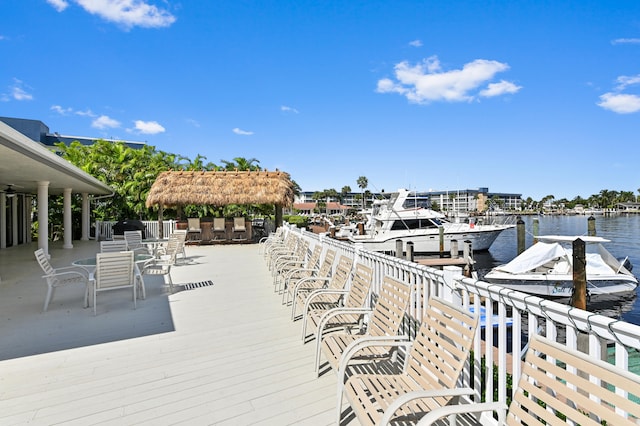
(299, 221)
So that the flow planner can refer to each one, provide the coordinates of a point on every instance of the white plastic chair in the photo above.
(113, 271)
(58, 277)
(134, 241)
(113, 246)
(163, 265)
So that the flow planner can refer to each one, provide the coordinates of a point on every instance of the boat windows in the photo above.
(416, 202)
(400, 225)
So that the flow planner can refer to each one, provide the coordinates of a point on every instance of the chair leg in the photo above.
(170, 283)
(140, 284)
(48, 299)
(86, 296)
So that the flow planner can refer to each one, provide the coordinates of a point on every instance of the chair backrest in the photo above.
(442, 345)
(173, 248)
(360, 287)
(238, 224)
(113, 246)
(42, 259)
(343, 271)
(327, 264)
(218, 224)
(114, 270)
(585, 390)
(133, 239)
(390, 308)
(193, 224)
(314, 257)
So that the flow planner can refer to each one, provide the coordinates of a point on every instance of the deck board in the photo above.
(226, 354)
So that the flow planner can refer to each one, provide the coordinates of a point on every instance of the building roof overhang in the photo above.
(24, 163)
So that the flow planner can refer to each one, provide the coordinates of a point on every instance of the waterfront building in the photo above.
(37, 131)
(459, 200)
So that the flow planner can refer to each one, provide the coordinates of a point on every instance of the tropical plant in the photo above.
(363, 182)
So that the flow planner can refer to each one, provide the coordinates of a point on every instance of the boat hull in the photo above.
(428, 241)
(562, 286)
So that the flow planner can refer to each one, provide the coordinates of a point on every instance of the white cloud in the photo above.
(498, 89)
(620, 103)
(624, 81)
(194, 123)
(104, 122)
(285, 108)
(415, 43)
(18, 91)
(626, 41)
(426, 82)
(58, 5)
(127, 13)
(87, 113)
(149, 127)
(238, 131)
(60, 110)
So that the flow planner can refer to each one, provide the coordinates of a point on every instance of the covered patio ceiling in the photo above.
(24, 162)
(220, 188)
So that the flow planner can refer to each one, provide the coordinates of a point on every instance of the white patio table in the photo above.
(89, 263)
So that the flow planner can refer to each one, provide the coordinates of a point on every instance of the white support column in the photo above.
(66, 219)
(43, 216)
(28, 217)
(14, 220)
(86, 214)
(3, 221)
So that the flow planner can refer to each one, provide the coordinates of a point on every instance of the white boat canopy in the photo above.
(600, 262)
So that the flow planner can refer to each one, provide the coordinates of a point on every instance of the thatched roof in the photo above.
(220, 188)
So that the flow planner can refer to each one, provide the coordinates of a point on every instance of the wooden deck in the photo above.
(226, 354)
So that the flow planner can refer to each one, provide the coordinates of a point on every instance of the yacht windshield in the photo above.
(416, 201)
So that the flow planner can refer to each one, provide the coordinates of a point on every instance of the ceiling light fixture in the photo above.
(10, 192)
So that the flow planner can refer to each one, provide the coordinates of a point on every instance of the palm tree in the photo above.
(363, 182)
(241, 163)
(343, 192)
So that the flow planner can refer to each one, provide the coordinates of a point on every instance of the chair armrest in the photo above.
(287, 264)
(366, 341)
(438, 413)
(309, 279)
(320, 292)
(432, 393)
(288, 274)
(334, 312)
(68, 274)
(71, 268)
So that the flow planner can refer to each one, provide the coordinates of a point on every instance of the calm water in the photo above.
(622, 230)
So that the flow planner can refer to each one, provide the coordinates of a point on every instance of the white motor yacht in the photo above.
(408, 217)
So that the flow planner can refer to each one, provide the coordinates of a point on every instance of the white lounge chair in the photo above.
(59, 277)
(434, 361)
(560, 385)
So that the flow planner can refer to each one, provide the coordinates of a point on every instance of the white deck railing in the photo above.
(104, 229)
(513, 318)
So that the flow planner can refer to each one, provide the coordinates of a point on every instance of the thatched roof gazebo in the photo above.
(220, 188)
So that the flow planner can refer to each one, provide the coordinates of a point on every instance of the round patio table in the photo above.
(154, 244)
(89, 263)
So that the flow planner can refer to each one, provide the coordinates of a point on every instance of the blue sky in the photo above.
(531, 97)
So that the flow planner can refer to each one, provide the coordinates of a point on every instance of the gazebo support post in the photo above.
(278, 216)
(160, 221)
